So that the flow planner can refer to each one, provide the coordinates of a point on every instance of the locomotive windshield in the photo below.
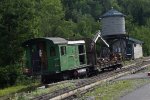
(52, 51)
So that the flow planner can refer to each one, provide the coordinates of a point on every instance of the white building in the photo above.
(134, 48)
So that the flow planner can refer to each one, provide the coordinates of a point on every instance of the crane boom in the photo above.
(98, 35)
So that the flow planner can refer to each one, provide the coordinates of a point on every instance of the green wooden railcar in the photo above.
(52, 56)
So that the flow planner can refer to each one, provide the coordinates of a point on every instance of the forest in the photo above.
(71, 19)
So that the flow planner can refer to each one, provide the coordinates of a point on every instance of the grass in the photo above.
(12, 89)
(37, 92)
(113, 90)
(147, 69)
(51, 89)
(102, 92)
(127, 62)
(9, 91)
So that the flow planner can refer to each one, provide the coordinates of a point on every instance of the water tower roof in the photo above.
(113, 12)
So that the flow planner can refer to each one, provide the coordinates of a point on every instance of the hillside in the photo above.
(72, 19)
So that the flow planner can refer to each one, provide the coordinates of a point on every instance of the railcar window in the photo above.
(82, 59)
(81, 49)
(81, 54)
(134, 45)
(63, 50)
(52, 51)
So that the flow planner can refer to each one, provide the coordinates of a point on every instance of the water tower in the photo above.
(113, 30)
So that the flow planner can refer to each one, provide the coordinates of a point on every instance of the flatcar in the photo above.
(54, 58)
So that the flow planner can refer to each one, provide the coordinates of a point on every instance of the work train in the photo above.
(54, 57)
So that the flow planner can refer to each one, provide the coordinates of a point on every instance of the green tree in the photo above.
(18, 21)
(87, 26)
(52, 14)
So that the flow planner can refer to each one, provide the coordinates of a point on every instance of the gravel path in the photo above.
(142, 93)
(135, 76)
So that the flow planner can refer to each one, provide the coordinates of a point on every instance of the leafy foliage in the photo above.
(8, 75)
(18, 22)
(71, 19)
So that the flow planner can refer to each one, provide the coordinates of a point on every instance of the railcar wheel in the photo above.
(115, 67)
(43, 79)
(75, 74)
(65, 76)
(120, 66)
(102, 69)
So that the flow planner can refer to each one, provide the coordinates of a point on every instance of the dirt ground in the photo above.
(142, 93)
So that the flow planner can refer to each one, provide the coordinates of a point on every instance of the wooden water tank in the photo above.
(113, 23)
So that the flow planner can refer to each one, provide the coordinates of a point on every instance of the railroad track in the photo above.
(87, 83)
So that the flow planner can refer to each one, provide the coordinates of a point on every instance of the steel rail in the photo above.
(84, 84)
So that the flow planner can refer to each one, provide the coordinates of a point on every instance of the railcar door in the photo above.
(43, 56)
(82, 54)
(39, 58)
(53, 58)
(63, 58)
(35, 60)
(129, 51)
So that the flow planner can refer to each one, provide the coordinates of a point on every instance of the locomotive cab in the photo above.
(51, 57)
(42, 55)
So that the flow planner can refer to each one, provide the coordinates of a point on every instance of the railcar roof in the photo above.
(55, 40)
(76, 42)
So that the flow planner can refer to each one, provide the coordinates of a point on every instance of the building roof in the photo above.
(55, 40)
(112, 12)
(135, 40)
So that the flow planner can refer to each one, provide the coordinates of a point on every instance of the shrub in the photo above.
(9, 75)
